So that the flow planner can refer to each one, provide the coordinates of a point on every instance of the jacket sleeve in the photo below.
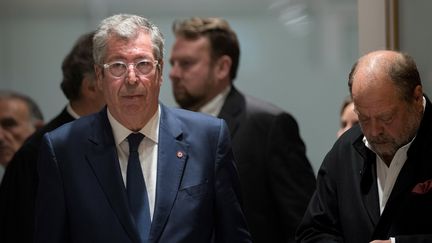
(230, 225)
(291, 177)
(321, 220)
(50, 222)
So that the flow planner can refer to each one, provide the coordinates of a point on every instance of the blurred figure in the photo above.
(375, 184)
(18, 189)
(19, 118)
(276, 178)
(137, 171)
(348, 117)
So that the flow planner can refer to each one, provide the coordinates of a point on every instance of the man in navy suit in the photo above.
(276, 177)
(190, 191)
(375, 184)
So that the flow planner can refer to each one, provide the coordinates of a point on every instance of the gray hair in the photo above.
(125, 26)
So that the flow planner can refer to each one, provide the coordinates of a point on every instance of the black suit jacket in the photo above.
(345, 207)
(18, 188)
(276, 177)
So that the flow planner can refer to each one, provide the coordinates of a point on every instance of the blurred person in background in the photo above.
(276, 177)
(20, 117)
(18, 189)
(348, 117)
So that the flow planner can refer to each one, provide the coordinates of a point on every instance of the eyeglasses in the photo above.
(118, 68)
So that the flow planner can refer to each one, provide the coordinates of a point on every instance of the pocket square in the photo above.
(423, 187)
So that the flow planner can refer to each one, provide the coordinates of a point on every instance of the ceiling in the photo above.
(41, 8)
(103, 8)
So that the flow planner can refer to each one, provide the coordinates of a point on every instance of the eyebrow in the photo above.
(138, 57)
(385, 113)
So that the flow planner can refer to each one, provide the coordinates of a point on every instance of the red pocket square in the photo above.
(423, 187)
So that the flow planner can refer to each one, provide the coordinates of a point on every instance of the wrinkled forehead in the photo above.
(140, 43)
(374, 91)
(370, 82)
(13, 108)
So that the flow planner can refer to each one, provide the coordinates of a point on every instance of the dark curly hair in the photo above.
(76, 65)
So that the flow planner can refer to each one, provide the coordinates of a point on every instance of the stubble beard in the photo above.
(391, 145)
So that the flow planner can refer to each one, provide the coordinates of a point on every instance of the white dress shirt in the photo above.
(148, 152)
(387, 175)
(71, 111)
(214, 106)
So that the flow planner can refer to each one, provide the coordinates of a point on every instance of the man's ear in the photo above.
(418, 97)
(38, 124)
(160, 66)
(159, 69)
(99, 76)
(88, 86)
(418, 93)
(223, 67)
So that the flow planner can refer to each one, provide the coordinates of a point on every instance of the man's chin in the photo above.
(185, 103)
(380, 147)
(384, 151)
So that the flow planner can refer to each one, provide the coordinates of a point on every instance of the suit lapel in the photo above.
(413, 168)
(232, 109)
(368, 182)
(416, 169)
(172, 157)
(404, 182)
(102, 157)
(411, 173)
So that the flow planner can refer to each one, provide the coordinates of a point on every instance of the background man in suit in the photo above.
(276, 178)
(18, 189)
(376, 181)
(20, 117)
(100, 183)
(348, 117)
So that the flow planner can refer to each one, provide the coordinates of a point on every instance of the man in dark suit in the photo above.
(137, 171)
(18, 189)
(20, 117)
(276, 177)
(375, 184)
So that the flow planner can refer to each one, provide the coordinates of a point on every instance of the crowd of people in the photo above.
(117, 165)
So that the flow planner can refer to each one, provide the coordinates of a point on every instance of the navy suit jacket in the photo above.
(19, 185)
(82, 198)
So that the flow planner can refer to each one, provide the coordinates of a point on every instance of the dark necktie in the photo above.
(136, 188)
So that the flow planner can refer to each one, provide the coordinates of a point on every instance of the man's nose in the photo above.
(376, 128)
(131, 74)
(174, 73)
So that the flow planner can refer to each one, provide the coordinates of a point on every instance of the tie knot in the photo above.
(134, 140)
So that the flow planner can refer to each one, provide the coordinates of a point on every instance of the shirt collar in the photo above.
(214, 106)
(71, 111)
(401, 150)
(150, 130)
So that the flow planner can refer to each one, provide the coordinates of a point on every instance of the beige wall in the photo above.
(400, 25)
